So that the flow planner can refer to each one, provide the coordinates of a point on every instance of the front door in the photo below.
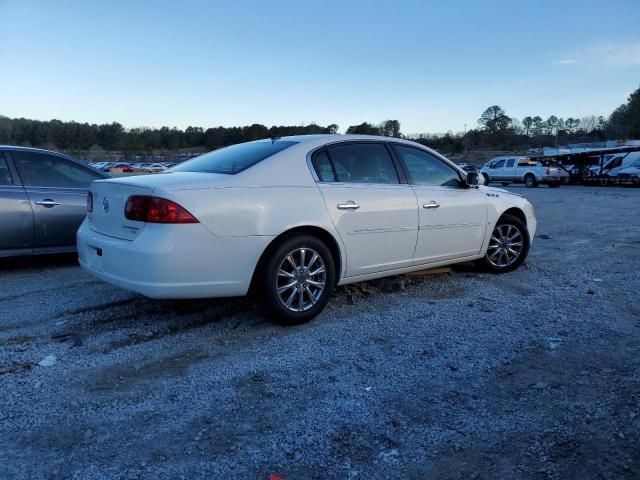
(453, 216)
(498, 173)
(57, 189)
(375, 215)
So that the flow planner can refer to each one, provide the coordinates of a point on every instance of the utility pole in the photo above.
(465, 128)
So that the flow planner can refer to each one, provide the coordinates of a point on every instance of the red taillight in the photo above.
(143, 208)
(89, 202)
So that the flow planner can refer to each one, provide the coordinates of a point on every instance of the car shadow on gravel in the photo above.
(9, 264)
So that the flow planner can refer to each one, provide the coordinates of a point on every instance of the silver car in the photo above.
(43, 198)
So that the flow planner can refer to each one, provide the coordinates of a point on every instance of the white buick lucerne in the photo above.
(290, 218)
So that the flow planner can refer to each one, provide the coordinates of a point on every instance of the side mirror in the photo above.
(474, 179)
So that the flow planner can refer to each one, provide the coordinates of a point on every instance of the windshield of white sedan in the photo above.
(233, 159)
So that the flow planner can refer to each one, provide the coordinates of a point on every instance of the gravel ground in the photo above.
(532, 374)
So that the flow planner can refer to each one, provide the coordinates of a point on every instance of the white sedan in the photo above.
(290, 218)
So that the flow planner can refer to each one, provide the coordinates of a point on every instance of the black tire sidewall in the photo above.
(516, 222)
(270, 299)
(533, 182)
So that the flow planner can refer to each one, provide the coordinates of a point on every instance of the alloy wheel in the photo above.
(301, 279)
(505, 246)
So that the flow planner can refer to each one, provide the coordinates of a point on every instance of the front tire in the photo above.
(298, 280)
(508, 245)
(487, 180)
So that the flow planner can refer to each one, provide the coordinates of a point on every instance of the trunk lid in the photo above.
(109, 199)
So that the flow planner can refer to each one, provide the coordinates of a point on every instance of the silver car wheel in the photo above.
(301, 279)
(505, 246)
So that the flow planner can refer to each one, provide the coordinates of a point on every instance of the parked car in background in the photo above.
(292, 217)
(104, 166)
(629, 174)
(530, 171)
(615, 163)
(43, 197)
(154, 168)
(120, 168)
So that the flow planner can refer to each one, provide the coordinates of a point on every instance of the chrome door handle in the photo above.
(431, 204)
(47, 202)
(348, 206)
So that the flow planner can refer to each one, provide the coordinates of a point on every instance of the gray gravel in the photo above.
(533, 374)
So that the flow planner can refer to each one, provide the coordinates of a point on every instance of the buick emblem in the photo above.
(105, 205)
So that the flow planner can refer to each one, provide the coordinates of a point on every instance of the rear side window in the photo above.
(42, 170)
(233, 159)
(363, 163)
(323, 168)
(5, 174)
(510, 162)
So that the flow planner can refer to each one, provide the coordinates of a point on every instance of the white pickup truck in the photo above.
(531, 172)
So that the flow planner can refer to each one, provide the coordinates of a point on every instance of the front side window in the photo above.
(5, 174)
(233, 159)
(426, 169)
(499, 164)
(43, 170)
(363, 163)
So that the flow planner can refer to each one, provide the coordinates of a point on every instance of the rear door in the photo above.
(375, 214)
(16, 217)
(57, 189)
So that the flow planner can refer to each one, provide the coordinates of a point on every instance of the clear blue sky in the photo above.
(433, 65)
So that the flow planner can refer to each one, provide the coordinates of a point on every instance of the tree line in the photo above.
(113, 136)
(495, 129)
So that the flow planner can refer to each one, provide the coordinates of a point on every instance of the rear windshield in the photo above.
(233, 159)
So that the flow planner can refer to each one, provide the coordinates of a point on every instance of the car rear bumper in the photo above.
(552, 178)
(172, 261)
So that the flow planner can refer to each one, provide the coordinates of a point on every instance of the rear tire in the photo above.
(297, 280)
(508, 245)
(530, 181)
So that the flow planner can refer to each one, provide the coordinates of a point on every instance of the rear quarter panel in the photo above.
(243, 211)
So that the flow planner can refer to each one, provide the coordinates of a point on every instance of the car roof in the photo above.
(330, 137)
(31, 149)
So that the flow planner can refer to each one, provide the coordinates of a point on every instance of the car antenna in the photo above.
(273, 139)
